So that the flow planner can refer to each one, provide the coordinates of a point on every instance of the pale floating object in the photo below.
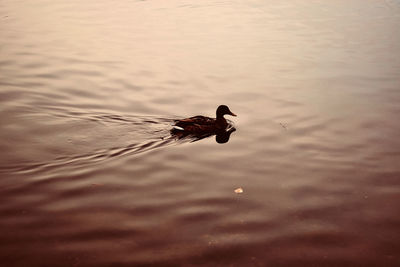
(238, 190)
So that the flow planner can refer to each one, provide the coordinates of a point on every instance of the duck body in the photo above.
(199, 125)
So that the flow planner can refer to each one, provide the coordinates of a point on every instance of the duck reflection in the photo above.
(221, 136)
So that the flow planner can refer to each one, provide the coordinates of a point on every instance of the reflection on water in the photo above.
(91, 174)
(221, 136)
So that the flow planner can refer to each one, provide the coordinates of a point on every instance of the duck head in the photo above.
(224, 110)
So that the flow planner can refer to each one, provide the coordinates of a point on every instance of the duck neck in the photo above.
(221, 120)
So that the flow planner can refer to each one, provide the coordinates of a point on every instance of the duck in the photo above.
(200, 125)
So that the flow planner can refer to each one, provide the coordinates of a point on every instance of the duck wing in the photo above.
(196, 120)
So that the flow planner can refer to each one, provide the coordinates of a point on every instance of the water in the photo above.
(90, 175)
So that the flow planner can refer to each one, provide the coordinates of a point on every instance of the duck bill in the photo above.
(233, 114)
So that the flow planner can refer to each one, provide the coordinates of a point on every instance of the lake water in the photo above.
(90, 175)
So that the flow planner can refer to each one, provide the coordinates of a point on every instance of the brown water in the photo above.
(90, 175)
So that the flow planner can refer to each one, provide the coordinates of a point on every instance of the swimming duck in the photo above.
(202, 125)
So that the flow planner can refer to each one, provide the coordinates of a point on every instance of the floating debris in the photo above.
(283, 125)
(238, 190)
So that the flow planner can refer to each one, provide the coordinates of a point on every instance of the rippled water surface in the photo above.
(91, 176)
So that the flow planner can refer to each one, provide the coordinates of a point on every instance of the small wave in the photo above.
(153, 131)
(149, 133)
(88, 159)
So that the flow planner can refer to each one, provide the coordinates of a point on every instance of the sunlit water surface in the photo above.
(90, 174)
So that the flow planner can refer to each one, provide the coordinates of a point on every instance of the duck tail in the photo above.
(178, 128)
